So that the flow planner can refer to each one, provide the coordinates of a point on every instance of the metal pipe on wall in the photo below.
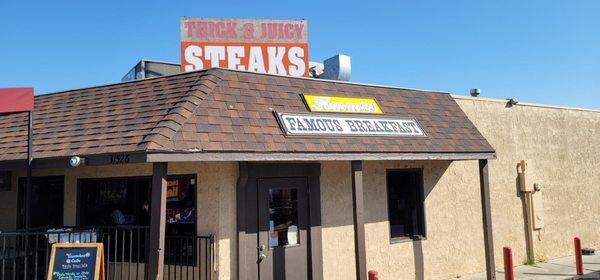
(527, 195)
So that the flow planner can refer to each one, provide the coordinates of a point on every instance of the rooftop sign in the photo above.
(334, 104)
(301, 124)
(264, 46)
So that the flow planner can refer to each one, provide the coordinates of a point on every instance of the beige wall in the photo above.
(561, 147)
(453, 221)
(216, 200)
(337, 221)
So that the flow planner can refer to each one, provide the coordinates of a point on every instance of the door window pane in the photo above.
(283, 217)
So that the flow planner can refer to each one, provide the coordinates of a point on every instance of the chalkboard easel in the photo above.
(82, 261)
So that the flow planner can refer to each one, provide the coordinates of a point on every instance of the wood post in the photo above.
(156, 254)
(359, 221)
(484, 185)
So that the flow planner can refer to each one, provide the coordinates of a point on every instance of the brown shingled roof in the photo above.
(219, 110)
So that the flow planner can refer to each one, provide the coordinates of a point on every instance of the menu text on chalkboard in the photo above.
(76, 261)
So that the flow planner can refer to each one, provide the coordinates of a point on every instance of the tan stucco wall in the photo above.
(216, 200)
(337, 224)
(453, 238)
(561, 147)
(450, 233)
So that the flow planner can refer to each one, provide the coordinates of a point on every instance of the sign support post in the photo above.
(28, 188)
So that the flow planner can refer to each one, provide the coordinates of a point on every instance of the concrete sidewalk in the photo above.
(562, 268)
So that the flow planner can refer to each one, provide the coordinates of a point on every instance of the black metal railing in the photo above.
(26, 254)
(189, 257)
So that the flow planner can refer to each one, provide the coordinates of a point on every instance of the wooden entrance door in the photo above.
(279, 221)
(283, 228)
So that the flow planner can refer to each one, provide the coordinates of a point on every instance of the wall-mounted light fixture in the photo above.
(76, 161)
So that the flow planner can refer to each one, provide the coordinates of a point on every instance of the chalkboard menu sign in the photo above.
(76, 261)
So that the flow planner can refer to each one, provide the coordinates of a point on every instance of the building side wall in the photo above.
(561, 148)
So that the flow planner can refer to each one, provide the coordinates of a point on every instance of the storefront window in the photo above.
(181, 205)
(114, 201)
(126, 201)
(283, 217)
(405, 204)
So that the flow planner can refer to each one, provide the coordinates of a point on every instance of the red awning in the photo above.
(16, 100)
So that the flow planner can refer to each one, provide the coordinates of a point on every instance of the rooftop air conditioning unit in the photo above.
(150, 69)
(334, 68)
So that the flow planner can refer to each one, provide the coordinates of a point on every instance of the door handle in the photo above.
(261, 248)
(261, 257)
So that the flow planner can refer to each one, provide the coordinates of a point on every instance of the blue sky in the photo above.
(535, 51)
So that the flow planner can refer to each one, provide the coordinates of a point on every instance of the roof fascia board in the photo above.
(90, 160)
(190, 157)
(521, 104)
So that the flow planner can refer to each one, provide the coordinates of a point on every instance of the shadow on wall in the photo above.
(376, 204)
(521, 196)
(431, 177)
(336, 191)
(418, 260)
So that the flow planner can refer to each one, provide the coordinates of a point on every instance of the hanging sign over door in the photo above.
(299, 124)
(264, 46)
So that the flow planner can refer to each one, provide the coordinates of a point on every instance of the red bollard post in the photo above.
(509, 272)
(373, 275)
(578, 259)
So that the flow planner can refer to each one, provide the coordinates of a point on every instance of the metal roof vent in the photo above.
(150, 69)
(334, 68)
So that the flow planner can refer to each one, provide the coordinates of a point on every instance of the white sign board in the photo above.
(299, 124)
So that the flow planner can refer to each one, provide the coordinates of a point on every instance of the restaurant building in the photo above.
(224, 174)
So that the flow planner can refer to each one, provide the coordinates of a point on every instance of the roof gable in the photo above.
(239, 117)
(126, 117)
